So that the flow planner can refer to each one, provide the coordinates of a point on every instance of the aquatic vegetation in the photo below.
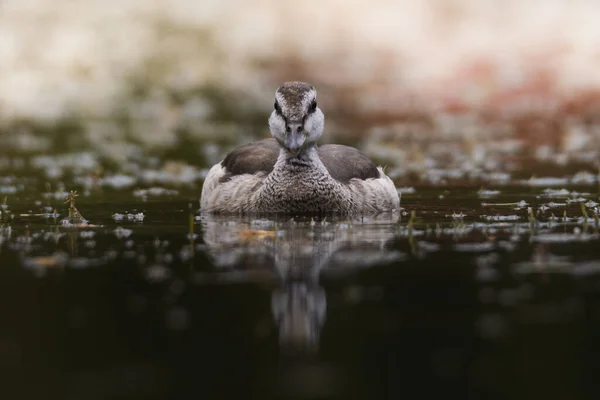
(74, 218)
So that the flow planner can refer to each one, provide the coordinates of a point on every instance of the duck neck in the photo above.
(307, 156)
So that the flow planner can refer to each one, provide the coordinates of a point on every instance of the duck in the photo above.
(290, 173)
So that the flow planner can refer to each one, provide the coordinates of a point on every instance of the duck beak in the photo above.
(293, 142)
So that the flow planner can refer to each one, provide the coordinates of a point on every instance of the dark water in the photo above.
(462, 293)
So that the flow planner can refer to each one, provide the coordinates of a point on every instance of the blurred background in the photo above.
(187, 79)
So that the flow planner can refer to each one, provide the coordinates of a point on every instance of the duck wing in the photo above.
(259, 156)
(342, 162)
(345, 163)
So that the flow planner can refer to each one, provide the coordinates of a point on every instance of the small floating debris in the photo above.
(138, 217)
(577, 200)
(486, 194)
(556, 193)
(41, 215)
(262, 223)
(83, 223)
(552, 204)
(501, 217)
(584, 178)
(519, 204)
(155, 191)
(547, 181)
(456, 216)
(586, 220)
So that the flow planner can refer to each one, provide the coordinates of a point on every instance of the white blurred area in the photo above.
(76, 57)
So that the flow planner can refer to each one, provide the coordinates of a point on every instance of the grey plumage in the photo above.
(251, 158)
(345, 163)
(292, 99)
(342, 162)
(289, 173)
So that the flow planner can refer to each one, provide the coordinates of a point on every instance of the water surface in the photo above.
(485, 293)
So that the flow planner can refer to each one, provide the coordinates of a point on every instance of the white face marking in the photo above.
(297, 123)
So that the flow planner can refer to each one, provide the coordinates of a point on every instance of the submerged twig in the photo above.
(532, 220)
(75, 217)
(585, 218)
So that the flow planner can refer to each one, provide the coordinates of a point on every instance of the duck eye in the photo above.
(277, 108)
(313, 106)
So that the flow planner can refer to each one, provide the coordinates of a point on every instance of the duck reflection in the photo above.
(295, 254)
(299, 310)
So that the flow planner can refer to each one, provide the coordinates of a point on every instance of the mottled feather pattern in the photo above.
(292, 98)
(297, 185)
